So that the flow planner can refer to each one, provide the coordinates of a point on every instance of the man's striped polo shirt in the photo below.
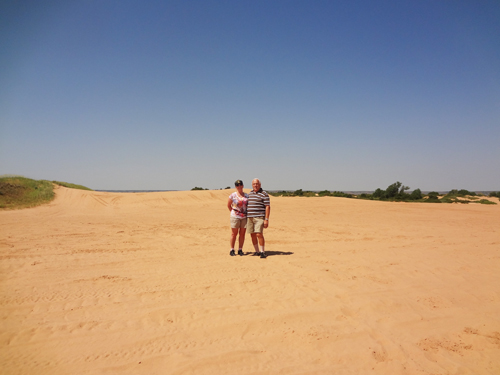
(257, 202)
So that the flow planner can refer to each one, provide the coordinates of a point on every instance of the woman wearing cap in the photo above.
(237, 205)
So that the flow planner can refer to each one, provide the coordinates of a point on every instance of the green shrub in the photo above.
(433, 197)
(341, 194)
(464, 192)
(365, 196)
(485, 201)
(282, 193)
(392, 190)
(416, 195)
(460, 193)
(378, 193)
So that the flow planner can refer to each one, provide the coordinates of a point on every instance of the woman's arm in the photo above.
(230, 204)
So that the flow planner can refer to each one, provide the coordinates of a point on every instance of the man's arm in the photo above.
(268, 212)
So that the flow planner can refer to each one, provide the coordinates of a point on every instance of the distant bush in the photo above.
(464, 192)
(460, 193)
(281, 193)
(341, 194)
(485, 201)
(302, 193)
(416, 195)
(298, 193)
(453, 196)
(433, 197)
(379, 193)
(198, 188)
(365, 196)
(394, 192)
(494, 194)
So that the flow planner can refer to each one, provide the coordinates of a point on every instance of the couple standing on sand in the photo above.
(252, 209)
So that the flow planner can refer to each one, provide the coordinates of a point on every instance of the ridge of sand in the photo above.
(141, 283)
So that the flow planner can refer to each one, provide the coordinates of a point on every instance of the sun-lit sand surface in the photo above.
(109, 283)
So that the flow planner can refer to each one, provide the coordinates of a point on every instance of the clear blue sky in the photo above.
(338, 95)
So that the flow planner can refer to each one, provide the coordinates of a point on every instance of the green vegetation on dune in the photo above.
(21, 192)
(396, 192)
(453, 196)
(71, 186)
(485, 201)
(308, 193)
(495, 194)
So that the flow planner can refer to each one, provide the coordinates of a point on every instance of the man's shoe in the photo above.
(263, 255)
(240, 252)
(232, 253)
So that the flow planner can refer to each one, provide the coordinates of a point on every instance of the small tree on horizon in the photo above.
(416, 195)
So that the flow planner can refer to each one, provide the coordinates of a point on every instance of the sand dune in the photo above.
(110, 283)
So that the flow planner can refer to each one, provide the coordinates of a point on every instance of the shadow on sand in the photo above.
(272, 253)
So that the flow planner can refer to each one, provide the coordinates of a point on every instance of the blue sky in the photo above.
(338, 95)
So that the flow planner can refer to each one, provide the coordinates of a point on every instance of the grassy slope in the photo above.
(21, 192)
(71, 186)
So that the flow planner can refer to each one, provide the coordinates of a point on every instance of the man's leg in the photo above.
(251, 230)
(262, 242)
(257, 233)
(255, 243)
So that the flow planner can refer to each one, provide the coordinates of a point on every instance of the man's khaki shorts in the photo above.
(255, 224)
(237, 223)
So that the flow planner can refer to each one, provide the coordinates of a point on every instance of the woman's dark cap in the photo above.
(238, 183)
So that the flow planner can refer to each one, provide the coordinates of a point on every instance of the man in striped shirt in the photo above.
(258, 210)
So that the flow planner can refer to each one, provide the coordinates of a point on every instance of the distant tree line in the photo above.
(396, 192)
(308, 193)
(200, 188)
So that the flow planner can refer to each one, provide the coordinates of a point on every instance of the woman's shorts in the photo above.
(237, 223)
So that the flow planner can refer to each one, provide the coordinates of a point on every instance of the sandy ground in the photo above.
(109, 283)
